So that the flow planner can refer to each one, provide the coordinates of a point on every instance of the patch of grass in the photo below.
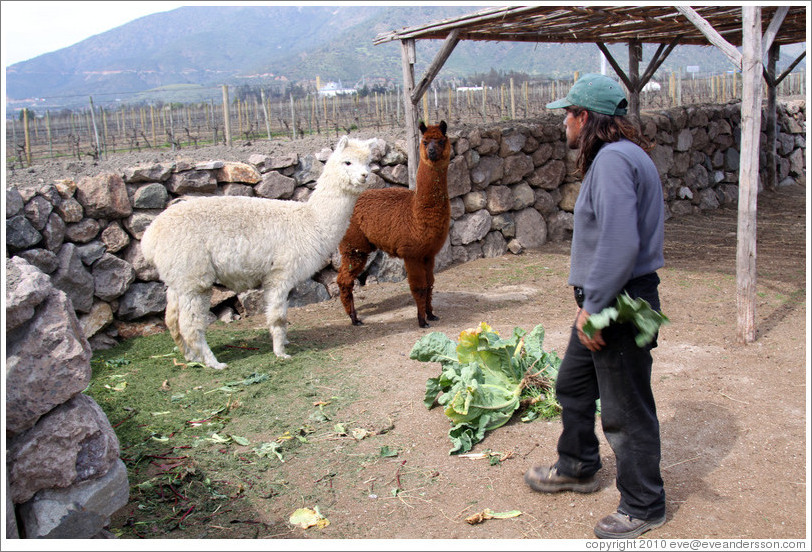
(197, 442)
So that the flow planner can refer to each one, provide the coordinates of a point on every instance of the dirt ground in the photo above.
(733, 417)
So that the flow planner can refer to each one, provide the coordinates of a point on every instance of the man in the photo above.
(617, 246)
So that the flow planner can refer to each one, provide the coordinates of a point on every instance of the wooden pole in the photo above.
(408, 58)
(226, 115)
(265, 112)
(484, 103)
(770, 124)
(27, 137)
(635, 55)
(751, 59)
(293, 116)
(95, 128)
(152, 124)
(48, 128)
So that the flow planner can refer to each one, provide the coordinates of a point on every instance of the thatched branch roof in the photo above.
(607, 24)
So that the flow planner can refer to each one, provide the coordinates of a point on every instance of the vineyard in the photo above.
(97, 132)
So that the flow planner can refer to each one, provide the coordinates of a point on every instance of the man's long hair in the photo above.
(600, 129)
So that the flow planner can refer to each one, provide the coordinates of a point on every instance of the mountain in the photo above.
(187, 54)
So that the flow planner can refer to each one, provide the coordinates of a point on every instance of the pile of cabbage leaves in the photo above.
(485, 379)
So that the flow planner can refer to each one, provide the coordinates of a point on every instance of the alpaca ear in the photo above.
(342, 143)
(422, 127)
(443, 127)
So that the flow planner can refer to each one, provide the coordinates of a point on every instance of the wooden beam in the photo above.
(408, 58)
(772, 29)
(789, 69)
(618, 69)
(712, 35)
(439, 60)
(658, 59)
(748, 174)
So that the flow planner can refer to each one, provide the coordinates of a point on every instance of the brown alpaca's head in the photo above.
(434, 144)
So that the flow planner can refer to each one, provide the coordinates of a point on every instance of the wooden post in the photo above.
(484, 103)
(293, 115)
(226, 115)
(265, 112)
(152, 123)
(771, 131)
(748, 174)
(408, 58)
(95, 128)
(48, 128)
(512, 100)
(635, 54)
(27, 136)
(171, 127)
(239, 117)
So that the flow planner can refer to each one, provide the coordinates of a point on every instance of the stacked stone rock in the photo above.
(64, 473)
(511, 185)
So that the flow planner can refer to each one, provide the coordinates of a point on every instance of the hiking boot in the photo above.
(548, 480)
(622, 526)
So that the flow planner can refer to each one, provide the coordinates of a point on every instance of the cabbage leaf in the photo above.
(485, 379)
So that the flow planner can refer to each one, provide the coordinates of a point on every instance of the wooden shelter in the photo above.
(726, 27)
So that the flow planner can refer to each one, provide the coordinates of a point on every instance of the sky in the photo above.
(61, 24)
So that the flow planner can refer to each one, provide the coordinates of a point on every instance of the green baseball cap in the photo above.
(596, 93)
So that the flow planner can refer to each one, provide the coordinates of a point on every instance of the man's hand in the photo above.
(593, 344)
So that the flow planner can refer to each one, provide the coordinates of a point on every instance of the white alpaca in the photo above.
(244, 242)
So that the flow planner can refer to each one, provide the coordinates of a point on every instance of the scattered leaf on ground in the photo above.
(266, 449)
(359, 433)
(305, 518)
(487, 513)
(386, 452)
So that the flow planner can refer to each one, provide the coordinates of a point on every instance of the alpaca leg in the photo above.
(418, 284)
(429, 267)
(276, 315)
(352, 263)
(171, 318)
(192, 321)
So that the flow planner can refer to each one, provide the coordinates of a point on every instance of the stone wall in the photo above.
(64, 473)
(511, 185)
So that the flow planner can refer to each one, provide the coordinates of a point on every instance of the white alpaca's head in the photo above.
(348, 165)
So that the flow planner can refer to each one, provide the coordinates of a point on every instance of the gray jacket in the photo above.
(618, 223)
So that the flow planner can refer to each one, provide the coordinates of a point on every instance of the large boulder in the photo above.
(73, 278)
(72, 443)
(79, 512)
(50, 347)
(26, 288)
(112, 277)
(104, 196)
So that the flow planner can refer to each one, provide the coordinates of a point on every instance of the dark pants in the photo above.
(620, 375)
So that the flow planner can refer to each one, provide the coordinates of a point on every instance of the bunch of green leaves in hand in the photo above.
(637, 311)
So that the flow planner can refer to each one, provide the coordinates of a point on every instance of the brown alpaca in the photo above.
(408, 224)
